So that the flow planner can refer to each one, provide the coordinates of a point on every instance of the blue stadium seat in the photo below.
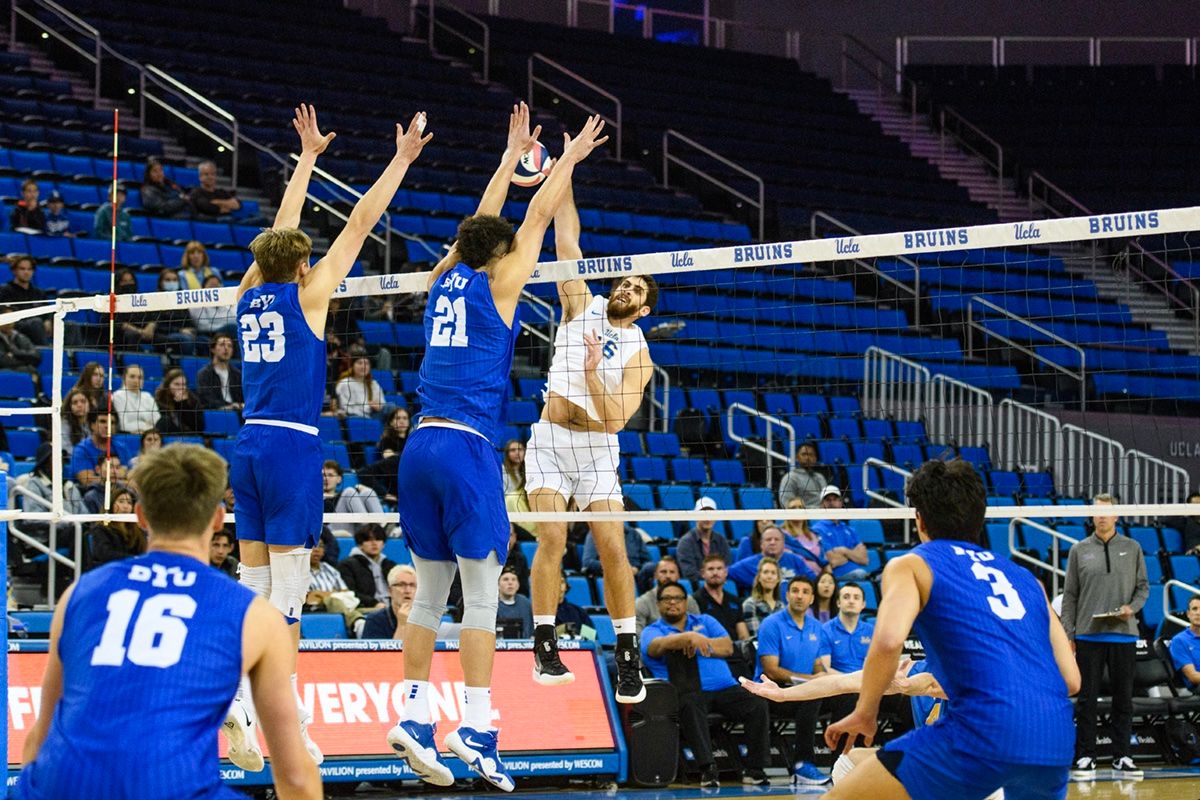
(323, 626)
(1005, 482)
(727, 470)
(779, 403)
(1172, 540)
(396, 549)
(338, 453)
(221, 423)
(524, 412)
(1040, 484)
(834, 453)
(869, 531)
(648, 468)
(688, 470)
(844, 428)
(911, 432)
(909, 456)
(977, 456)
(676, 498)
(1185, 568)
(629, 443)
(17, 384)
(37, 623)
(844, 406)
(1148, 539)
(22, 444)
(363, 429)
(1152, 612)
(605, 635)
(171, 229)
(641, 495)
(721, 495)
(579, 591)
(662, 444)
(755, 497)
(813, 404)
(1154, 572)
(877, 430)
(330, 429)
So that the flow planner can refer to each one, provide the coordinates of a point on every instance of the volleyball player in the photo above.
(276, 474)
(599, 371)
(994, 645)
(145, 656)
(452, 504)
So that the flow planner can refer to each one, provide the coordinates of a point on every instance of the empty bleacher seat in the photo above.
(727, 470)
(323, 626)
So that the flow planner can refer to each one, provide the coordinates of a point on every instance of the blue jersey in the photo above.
(283, 362)
(468, 353)
(986, 631)
(151, 651)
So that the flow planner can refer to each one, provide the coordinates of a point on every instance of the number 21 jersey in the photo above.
(283, 362)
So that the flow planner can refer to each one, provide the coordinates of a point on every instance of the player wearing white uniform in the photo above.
(599, 371)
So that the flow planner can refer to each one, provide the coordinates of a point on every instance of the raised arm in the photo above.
(52, 684)
(574, 295)
(323, 279)
(515, 269)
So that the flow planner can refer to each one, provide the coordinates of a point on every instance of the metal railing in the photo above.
(614, 119)
(668, 158)
(1026, 438)
(1080, 377)
(1189, 55)
(1167, 587)
(958, 412)
(870, 462)
(1090, 463)
(481, 46)
(1056, 571)
(886, 77)
(196, 104)
(765, 448)
(972, 139)
(94, 56)
(996, 50)
(913, 291)
(352, 195)
(1149, 479)
(893, 386)
(1005, 41)
(50, 549)
(660, 410)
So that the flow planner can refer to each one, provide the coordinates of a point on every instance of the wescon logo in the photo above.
(761, 252)
(845, 246)
(1025, 231)
(604, 266)
(683, 259)
(1118, 223)
(918, 240)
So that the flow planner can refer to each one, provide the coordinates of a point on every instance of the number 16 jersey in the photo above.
(283, 361)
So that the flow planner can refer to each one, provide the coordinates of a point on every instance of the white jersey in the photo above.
(566, 377)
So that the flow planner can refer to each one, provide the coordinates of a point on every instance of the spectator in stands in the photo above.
(194, 266)
(366, 568)
(219, 383)
(91, 382)
(788, 653)
(357, 499)
(764, 595)
(173, 328)
(136, 408)
(712, 599)
(75, 416)
(689, 650)
(151, 441)
(804, 480)
(513, 606)
(88, 455)
(646, 605)
(635, 551)
(27, 215)
(395, 435)
(161, 196)
(846, 638)
(358, 393)
(324, 578)
(102, 226)
(824, 608)
(1188, 527)
(211, 320)
(16, 351)
(517, 562)
(219, 553)
(569, 619)
(742, 572)
(1185, 647)
(178, 405)
(113, 541)
(700, 542)
(515, 498)
(21, 293)
(38, 483)
(845, 553)
(57, 221)
(389, 621)
(800, 538)
(1106, 586)
(207, 199)
(752, 544)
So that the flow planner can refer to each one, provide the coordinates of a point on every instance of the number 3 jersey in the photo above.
(986, 631)
(283, 362)
(468, 352)
(151, 649)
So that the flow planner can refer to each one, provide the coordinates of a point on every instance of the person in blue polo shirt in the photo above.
(789, 644)
(1185, 647)
(742, 572)
(679, 643)
(845, 640)
(847, 556)
(85, 468)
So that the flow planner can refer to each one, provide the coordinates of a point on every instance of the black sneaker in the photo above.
(548, 668)
(630, 688)
(755, 777)
(710, 778)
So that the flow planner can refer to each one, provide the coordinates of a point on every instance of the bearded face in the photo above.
(627, 298)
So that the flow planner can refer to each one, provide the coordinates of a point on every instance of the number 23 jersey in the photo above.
(283, 361)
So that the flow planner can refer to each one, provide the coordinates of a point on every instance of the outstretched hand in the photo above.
(520, 140)
(765, 688)
(588, 139)
(409, 143)
(311, 138)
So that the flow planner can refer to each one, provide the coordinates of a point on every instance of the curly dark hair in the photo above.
(950, 498)
(483, 237)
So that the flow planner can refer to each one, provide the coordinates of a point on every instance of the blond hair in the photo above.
(179, 488)
(398, 570)
(191, 247)
(279, 251)
(758, 591)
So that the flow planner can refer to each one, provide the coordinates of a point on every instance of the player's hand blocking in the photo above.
(311, 138)
(520, 140)
(589, 139)
(410, 143)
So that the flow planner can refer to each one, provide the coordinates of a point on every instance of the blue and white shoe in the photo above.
(479, 750)
(414, 742)
(806, 773)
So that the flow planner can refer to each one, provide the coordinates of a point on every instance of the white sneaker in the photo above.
(309, 744)
(241, 732)
(1084, 769)
(1125, 769)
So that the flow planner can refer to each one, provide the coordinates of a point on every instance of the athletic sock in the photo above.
(416, 702)
(543, 619)
(625, 625)
(477, 710)
(627, 641)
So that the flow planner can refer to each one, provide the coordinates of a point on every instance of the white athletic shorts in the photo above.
(575, 464)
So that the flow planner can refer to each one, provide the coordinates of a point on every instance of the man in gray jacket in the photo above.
(804, 480)
(1106, 586)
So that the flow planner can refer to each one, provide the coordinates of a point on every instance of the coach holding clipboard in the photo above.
(1106, 586)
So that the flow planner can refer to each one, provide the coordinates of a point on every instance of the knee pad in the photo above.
(256, 579)
(289, 582)
(481, 598)
(841, 768)
(433, 587)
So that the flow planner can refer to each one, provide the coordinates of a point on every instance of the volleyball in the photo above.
(533, 167)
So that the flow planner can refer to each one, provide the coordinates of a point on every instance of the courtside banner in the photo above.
(356, 694)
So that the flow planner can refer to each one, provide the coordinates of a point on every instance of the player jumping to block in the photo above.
(145, 657)
(452, 504)
(600, 369)
(994, 645)
(276, 473)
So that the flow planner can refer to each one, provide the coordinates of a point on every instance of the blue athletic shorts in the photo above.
(276, 480)
(451, 496)
(930, 767)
